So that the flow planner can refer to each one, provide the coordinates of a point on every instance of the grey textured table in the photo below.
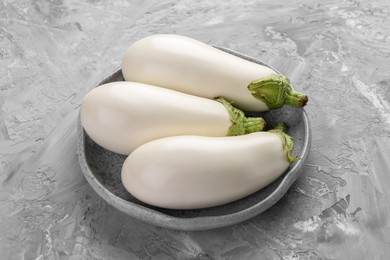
(53, 52)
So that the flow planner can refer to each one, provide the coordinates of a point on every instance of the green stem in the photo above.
(276, 91)
(287, 141)
(240, 123)
(281, 126)
(296, 99)
(253, 124)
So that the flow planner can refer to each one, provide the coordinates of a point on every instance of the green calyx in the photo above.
(287, 141)
(276, 91)
(240, 123)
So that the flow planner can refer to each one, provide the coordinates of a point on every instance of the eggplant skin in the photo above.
(190, 66)
(121, 116)
(190, 172)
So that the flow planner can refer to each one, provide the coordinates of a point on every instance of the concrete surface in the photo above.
(53, 52)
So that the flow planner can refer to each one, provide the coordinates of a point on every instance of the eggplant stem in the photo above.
(275, 91)
(296, 99)
(281, 126)
(287, 142)
(240, 123)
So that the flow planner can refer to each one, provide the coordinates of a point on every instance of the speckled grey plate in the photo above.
(102, 170)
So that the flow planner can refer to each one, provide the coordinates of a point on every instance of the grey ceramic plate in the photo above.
(102, 170)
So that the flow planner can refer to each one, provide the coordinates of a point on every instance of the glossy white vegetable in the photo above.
(188, 172)
(184, 64)
(121, 116)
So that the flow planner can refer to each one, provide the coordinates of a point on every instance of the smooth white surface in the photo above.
(184, 64)
(121, 116)
(187, 172)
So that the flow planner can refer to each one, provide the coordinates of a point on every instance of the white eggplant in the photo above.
(189, 172)
(121, 116)
(187, 65)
